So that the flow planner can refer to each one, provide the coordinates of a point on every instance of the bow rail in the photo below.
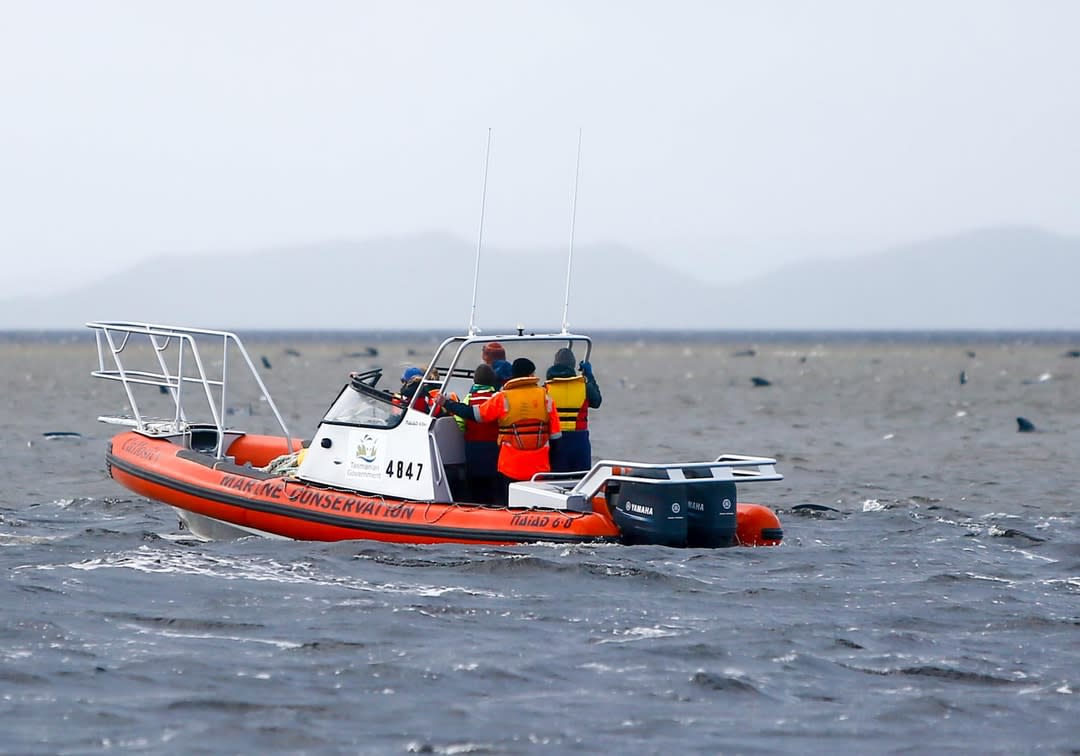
(182, 357)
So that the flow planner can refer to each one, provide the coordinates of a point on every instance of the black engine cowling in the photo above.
(696, 513)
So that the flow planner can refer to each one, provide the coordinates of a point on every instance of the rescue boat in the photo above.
(384, 469)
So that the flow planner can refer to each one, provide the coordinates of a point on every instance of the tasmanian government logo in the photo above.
(368, 448)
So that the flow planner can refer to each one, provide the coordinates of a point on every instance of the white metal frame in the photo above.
(574, 490)
(113, 337)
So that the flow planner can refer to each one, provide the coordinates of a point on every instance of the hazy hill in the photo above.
(993, 279)
(410, 283)
(1010, 278)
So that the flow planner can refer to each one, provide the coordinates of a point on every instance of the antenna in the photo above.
(573, 218)
(479, 238)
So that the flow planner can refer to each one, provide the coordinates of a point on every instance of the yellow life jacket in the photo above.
(569, 397)
(524, 424)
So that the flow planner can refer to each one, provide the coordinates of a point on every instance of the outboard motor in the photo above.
(710, 513)
(649, 513)
(697, 512)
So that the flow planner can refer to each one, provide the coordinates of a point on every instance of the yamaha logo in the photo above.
(675, 508)
(726, 503)
(640, 509)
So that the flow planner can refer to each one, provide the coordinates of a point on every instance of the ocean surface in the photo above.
(931, 604)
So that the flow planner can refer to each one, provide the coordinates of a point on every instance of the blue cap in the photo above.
(410, 373)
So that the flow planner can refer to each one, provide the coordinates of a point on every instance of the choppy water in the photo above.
(937, 610)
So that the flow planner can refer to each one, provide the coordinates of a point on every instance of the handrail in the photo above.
(726, 467)
(113, 337)
(507, 340)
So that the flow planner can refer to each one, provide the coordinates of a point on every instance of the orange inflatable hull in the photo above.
(242, 495)
(283, 506)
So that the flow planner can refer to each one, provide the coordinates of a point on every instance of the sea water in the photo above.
(928, 603)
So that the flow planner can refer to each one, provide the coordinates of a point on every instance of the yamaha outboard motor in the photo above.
(697, 511)
(649, 513)
(710, 514)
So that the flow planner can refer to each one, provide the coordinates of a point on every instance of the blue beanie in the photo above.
(410, 373)
(503, 369)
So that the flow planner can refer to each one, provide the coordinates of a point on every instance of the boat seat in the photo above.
(537, 494)
(449, 439)
(203, 439)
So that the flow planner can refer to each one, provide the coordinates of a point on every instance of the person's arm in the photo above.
(459, 420)
(462, 410)
(484, 412)
(554, 426)
(490, 410)
(592, 388)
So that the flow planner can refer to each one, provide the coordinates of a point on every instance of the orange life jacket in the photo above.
(524, 422)
(570, 401)
(527, 420)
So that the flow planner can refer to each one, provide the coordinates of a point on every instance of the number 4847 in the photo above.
(400, 469)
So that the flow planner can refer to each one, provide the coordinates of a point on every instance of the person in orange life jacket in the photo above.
(481, 440)
(573, 395)
(526, 420)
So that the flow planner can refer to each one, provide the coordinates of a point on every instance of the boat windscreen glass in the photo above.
(365, 406)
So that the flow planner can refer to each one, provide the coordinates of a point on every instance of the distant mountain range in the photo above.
(997, 279)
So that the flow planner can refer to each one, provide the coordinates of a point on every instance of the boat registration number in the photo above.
(402, 469)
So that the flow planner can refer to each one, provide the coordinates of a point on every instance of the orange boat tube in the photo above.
(249, 498)
(239, 493)
(757, 525)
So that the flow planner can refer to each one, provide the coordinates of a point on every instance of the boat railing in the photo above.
(573, 490)
(183, 357)
(447, 362)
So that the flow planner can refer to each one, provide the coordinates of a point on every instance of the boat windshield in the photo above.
(365, 406)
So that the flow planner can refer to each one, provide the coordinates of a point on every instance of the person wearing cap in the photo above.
(412, 380)
(411, 375)
(526, 419)
(481, 440)
(573, 395)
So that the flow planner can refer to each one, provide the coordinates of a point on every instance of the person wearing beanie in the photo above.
(481, 440)
(526, 421)
(492, 352)
(522, 367)
(573, 395)
(504, 371)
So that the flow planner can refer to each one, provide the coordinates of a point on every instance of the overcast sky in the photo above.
(133, 129)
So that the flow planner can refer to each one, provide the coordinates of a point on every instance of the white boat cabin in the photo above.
(372, 440)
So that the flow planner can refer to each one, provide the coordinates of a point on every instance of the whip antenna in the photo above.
(479, 238)
(573, 217)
